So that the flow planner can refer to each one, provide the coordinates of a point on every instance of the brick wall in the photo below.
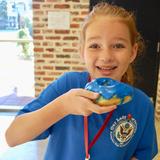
(56, 51)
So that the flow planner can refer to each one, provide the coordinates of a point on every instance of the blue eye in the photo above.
(94, 46)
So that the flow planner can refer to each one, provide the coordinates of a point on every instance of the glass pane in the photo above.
(16, 56)
(16, 15)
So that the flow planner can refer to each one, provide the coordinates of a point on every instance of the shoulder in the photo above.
(73, 79)
(74, 75)
(67, 81)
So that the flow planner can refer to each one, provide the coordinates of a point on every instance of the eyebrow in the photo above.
(98, 37)
(121, 39)
(93, 38)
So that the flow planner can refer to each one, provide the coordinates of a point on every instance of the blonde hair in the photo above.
(105, 9)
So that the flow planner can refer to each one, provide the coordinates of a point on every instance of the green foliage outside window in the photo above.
(27, 51)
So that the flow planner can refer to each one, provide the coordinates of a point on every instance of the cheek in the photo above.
(87, 56)
(124, 61)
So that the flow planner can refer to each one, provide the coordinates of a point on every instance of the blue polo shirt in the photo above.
(130, 131)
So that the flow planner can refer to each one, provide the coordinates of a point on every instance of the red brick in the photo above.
(62, 31)
(36, 31)
(38, 91)
(80, 6)
(61, 6)
(37, 13)
(38, 0)
(69, 50)
(47, 55)
(48, 79)
(59, 44)
(45, 31)
(38, 37)
(78, 68)
(52, 0)
(48, 67)
(49, 49)
(40, 73)
(75, 44)
(78, 19)
(75, 62)
(45, 20)
(37, 44)
(57, 73)
(72, 0)
(46, 6)
(36, 19)
(38, 67)
(40, 61)
(41, 85)
(74, 25)
(38, 25)
(62, 67)
(75, 13)
(36, 6)
(70, 38)
(53, 37)
(45, 44)
(63, 56)
(84, 13)
(67, 62)
(38, 49)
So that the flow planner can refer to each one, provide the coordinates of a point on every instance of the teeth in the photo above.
(107, 68)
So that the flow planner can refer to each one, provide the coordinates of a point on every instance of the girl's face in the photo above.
(108, 50)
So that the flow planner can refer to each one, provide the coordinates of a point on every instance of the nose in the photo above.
(106, 55)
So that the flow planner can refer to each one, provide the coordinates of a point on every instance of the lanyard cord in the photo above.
(89, 146)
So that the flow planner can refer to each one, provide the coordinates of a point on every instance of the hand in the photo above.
(80, 102)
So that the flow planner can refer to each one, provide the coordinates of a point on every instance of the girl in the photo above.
(110, 44)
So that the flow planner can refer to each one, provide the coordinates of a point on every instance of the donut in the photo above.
(111, 92)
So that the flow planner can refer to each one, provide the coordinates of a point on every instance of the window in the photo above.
(16, 45)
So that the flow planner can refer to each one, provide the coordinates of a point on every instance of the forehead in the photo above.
(107, 27)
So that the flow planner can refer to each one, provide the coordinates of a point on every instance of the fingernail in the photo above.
(96, 95)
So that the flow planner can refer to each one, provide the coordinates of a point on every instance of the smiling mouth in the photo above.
(106, 70)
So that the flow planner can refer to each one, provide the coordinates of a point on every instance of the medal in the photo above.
(89, 146)
(88, 157)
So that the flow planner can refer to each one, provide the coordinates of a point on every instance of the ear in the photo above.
(134, 52)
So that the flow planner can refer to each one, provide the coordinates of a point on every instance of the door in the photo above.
(148, 25)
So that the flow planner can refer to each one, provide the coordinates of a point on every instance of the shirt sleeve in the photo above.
(147, 147)
(53, 90)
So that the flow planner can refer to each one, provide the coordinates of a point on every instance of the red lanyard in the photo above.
(88, 147)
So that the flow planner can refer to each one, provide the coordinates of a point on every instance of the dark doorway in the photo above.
(148, 24)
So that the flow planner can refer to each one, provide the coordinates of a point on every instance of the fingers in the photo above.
(86, 106)
(99, 110)
(86, 93)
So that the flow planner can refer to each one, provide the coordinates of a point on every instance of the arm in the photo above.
(28, 126)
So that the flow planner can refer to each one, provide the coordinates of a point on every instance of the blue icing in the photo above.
(108, 88)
